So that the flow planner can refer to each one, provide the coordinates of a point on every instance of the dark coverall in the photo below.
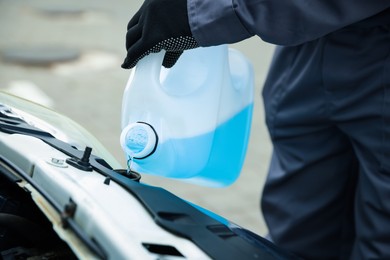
(327, 103)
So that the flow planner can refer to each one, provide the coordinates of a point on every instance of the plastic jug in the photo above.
(190, 122)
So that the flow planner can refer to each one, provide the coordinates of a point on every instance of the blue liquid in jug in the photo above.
(184, 158)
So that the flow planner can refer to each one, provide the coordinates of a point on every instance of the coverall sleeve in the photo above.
(281, 22)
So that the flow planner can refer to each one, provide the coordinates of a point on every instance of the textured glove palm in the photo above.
(159, 24)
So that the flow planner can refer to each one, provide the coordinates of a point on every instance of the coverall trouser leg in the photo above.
(327, 103)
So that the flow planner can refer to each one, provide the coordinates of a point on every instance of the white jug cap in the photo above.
(139, 140)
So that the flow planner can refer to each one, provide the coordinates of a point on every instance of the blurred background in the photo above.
(67, 55)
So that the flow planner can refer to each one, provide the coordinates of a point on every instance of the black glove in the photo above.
(159, 24)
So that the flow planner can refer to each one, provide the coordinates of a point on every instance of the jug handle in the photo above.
(148, 69)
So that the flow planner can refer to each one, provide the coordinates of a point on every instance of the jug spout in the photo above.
(139, 140)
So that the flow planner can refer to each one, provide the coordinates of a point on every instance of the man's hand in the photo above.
(159, 24)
